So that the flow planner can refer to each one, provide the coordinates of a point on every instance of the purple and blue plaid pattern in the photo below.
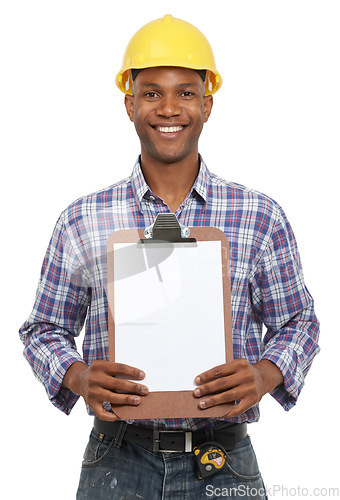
(267, 286)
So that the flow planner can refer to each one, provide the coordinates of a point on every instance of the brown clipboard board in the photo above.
(171, 404)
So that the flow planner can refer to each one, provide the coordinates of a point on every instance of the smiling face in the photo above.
(168, 108)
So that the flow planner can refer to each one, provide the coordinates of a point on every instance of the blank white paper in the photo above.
(168, 310)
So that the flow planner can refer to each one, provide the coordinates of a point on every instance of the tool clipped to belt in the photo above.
(211, 458)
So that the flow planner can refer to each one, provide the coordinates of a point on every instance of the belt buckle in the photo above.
(157, 441)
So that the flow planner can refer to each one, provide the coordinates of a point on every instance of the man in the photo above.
(168, 77)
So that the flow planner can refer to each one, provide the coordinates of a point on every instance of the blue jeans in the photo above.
(126, 471)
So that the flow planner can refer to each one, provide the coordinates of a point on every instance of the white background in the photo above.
(64, 133)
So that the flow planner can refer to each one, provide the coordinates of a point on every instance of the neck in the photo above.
(171, 181)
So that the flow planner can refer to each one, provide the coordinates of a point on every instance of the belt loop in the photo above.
(209, 434)
(120, 434)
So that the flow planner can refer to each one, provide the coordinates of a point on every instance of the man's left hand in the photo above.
(239, 381)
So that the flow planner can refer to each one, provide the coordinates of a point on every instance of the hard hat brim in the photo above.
(213, 80)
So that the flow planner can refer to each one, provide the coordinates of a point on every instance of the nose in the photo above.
(168, 107)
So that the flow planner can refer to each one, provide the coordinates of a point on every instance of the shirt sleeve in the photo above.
(57, 318)
(282, 301)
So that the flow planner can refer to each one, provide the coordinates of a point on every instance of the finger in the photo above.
(240, 408)
(218, 371)
(217, 399)
(115, 398)
(125, 386)
(126, 371)
(218, 385)
(234, 394)
(103, 414)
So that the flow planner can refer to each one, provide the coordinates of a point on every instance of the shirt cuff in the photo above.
(287, 361)
(61, 397)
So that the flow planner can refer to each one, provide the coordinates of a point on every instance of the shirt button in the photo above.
(152, 198)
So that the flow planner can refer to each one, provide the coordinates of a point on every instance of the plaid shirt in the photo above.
(267, 286)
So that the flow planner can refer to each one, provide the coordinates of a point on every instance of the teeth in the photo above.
(169, 129)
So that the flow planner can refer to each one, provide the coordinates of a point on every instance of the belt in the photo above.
(175, 440)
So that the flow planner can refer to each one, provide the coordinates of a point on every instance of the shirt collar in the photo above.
(201, 184)
(140, 187)
(138, 184)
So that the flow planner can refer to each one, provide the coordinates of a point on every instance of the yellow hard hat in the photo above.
(169, 42)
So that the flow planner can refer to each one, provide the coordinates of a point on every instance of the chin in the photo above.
(170, 156)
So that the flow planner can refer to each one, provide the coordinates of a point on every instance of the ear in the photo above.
(129, 105)
(208, 104)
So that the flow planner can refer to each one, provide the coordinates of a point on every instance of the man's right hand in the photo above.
(98, 382)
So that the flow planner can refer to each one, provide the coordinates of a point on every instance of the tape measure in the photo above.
(211, 458)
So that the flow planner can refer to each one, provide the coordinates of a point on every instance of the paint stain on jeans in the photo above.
(113, 483)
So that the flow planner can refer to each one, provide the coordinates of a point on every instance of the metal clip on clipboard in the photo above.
(167, 228)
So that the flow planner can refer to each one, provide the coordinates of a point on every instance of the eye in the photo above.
(151, 94)
(187, 93)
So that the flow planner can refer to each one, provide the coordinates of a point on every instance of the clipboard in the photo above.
(135, 263)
